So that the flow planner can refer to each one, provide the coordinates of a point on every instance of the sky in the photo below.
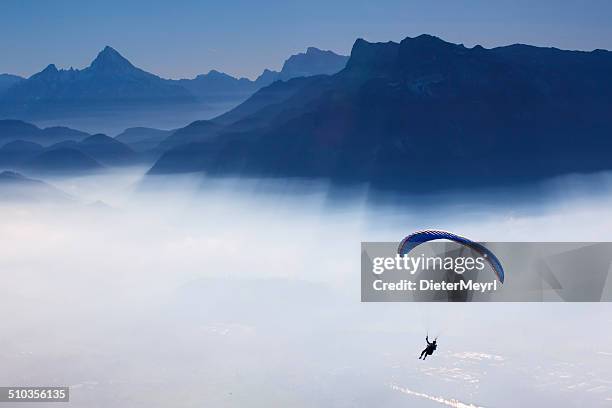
(181, 39)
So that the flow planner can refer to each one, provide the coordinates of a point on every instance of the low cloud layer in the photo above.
(189, 292)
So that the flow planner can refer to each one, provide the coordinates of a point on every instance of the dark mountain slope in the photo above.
(198, 131)
(428, 114)
(271, 100)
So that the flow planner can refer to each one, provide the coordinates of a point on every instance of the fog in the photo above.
(114, 120)
(184, 291)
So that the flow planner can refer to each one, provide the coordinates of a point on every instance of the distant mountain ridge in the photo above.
(313, 62)
(65, 160)
(109, 79)
(422, 114)
(104, 149)
(11, 130)
(71, 152)
(111, 85)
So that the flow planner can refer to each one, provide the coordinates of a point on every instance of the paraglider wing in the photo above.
(416, 239)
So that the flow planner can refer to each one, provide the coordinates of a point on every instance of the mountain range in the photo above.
(423, 113)
(111, 86)
(74, 156)
(11, 130)
(110, 79)
(217, 86)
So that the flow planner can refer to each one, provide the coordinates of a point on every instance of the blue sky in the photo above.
(185, 38)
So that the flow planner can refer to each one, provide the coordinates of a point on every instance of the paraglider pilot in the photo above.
(431, 347)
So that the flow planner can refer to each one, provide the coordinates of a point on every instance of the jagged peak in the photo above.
(267, 75)
(110, 59)
(215, 73)
(50, 71)
(315, 50)
(49, 68)
(108, 50)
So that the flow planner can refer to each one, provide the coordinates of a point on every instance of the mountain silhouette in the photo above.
(217, 86)
(305, 64)
(422, 114)
(63, 160)
(87, 154)
(112, 94)
(109, 61)
(11, 130)
(18, 151)
(109, 80)
(313, 62)
(266, 78)
(102, 148)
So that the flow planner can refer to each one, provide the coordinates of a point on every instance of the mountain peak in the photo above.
(428, 41)
(109, 59)
(50, 68)
(422, 49)
(49, 73)
(313, 62)
(213, 73)
(426, 37)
